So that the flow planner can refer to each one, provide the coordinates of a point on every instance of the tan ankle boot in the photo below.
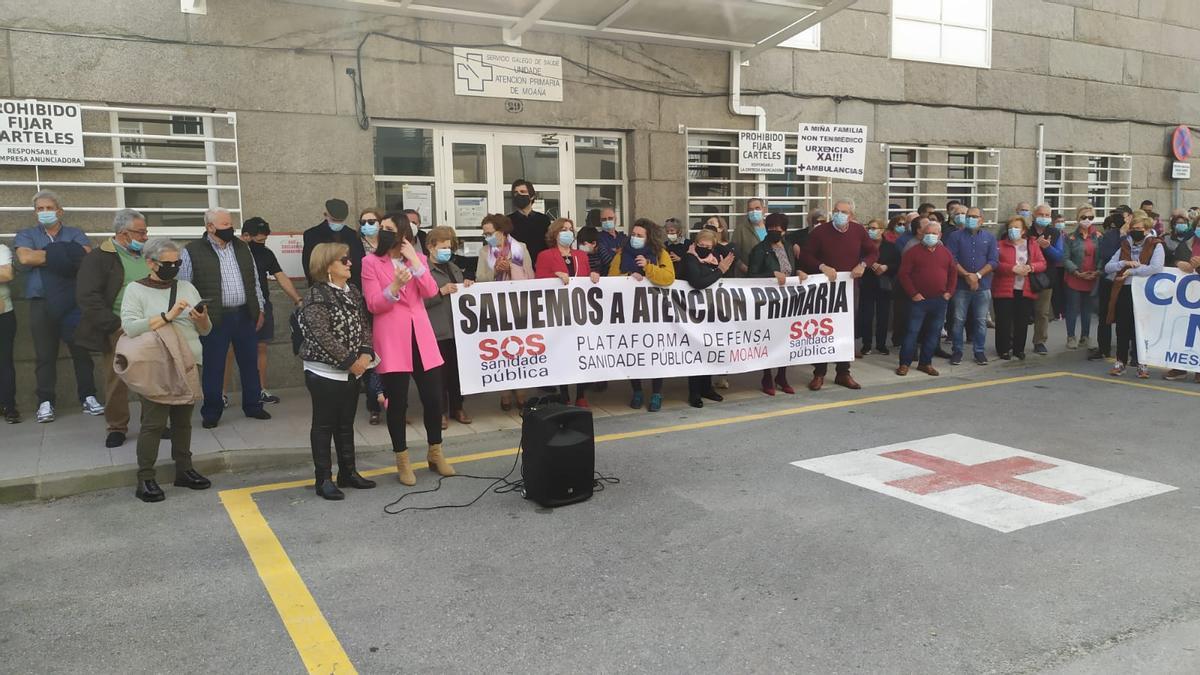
(404, 470)
(438, 463)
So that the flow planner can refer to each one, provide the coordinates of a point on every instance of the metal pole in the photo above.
(1041, 167)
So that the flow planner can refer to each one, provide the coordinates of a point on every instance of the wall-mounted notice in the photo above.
(515, 75)
(761, 152)
(833, 150)
(419, 198)
(41, 132)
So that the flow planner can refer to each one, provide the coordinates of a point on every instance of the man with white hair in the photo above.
(841, 246)
(99, 289)
(221, 267)
(51, 323)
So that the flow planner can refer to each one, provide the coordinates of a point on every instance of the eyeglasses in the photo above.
(345, 260)
(169, 265)
(368, 222)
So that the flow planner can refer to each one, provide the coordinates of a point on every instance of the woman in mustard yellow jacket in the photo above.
(645, 257)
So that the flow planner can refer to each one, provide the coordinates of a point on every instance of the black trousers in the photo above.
(452, 400)
(1012, 323)
(699, 384)
(874, 309)
(901, 305)
(8, 372)
(47, 333)
(429, 389)
(1126, 337)
(334, 404)
(1104, 330)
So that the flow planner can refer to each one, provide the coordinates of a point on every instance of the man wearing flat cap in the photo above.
(333, 230)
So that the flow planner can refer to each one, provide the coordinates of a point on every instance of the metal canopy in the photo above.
(746, 26)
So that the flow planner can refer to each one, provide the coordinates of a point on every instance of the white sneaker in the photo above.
(1072, 343)
(45, 412)
(92, 407)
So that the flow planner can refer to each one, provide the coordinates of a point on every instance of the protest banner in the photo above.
(1166, 318)
(519, 334)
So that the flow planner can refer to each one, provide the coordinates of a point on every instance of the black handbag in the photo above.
(1040, 281)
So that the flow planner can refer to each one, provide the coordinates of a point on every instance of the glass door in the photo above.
(470, 160)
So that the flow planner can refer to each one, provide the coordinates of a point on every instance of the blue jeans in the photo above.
(234, 328)
(1080, 305)
(928, 316)
(975, 304)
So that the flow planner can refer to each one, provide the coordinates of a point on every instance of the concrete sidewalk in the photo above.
(45, 461)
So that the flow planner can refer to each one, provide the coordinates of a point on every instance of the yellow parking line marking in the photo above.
(1141, 385)
(319, 647)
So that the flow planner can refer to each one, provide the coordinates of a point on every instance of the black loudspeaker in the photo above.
(558, 448)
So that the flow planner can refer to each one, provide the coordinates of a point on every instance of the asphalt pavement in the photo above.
(713, 554)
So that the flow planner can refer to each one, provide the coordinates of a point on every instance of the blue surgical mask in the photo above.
(972, 222)
(637, 243)
(135, 245)
(336, 227)
(47, 218)
(874, 234)
(1060, 225)
(566, 238)
(755, 216)
(930, 239)
(443, 255)
(1014, 233)
(760, 231)
(1024, 213)
(960, 219)
(840, 219)
(1042, 221)
(608, 225)
(1182, 228)
(368, 230)
(490, 239)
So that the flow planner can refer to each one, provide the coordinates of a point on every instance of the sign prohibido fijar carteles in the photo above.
(517, 75)
(833, 150)
(761, 152)
(41, 132)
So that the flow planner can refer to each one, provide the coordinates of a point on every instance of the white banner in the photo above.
(519, 75)
(833, 150)
(1166, 315)
(520, 334)
(761, 152)
(41, 132)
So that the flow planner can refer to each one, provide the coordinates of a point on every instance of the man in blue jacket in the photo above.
(976, 256)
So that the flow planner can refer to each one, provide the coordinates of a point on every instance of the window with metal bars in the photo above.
(1071, 179)
(938, 174)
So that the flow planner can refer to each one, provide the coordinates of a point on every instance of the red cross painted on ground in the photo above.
(999, 474)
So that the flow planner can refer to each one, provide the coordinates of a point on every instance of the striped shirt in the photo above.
(233, 292)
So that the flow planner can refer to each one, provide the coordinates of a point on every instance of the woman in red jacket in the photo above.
(561, 261)
(1012, 288)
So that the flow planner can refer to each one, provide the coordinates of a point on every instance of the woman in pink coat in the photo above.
(396, 280)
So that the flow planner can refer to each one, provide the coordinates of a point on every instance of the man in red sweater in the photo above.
(928, 275)
(841, 246)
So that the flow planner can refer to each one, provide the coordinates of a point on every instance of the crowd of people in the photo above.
(377, 312)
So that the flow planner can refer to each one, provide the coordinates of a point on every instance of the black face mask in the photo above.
(774, 237)
(167, 271)
(1137, 236)
(387, 240)
(703, 252)
(521, 201)
(226, 235)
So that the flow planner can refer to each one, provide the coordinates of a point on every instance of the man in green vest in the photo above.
(99, 288)
(221, 267)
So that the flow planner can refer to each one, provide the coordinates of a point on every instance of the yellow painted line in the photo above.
(320, 649)
(1140, 385)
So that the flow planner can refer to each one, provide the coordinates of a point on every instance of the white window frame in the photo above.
(809, 39)
(982, 183)
(817, 191)
(442, 182)
(1063, 181)
(892, 17)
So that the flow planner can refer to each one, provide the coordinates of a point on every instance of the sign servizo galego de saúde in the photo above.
(518, 334)
(1166, 317)
(46, 133)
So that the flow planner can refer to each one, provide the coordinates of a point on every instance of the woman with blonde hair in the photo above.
(503, 258)
(448, 277)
